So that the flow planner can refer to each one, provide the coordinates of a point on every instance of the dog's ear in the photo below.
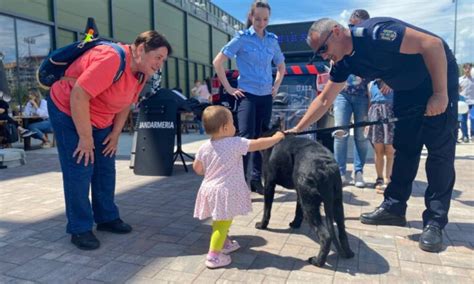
(275, 126)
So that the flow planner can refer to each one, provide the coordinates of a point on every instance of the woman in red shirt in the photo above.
(88, 111)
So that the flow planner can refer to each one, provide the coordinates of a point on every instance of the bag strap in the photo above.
(121, 52)
(121, 69)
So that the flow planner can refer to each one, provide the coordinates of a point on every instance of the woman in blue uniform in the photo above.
(254, 49)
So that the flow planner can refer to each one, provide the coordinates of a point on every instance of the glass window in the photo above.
(171, 73)
(198, 40)
(34, 44)
(65, 37)
(8, 82)
(192, 73)
(130, 18)
(183, 78)
(40, 9)
(200, 72)
(170, 22)
(74, 14)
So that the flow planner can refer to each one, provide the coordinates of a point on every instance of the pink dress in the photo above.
(224, 193)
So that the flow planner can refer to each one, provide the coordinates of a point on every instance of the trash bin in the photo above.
(156, 135)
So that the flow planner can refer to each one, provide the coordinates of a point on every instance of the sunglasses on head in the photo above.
(324, 47)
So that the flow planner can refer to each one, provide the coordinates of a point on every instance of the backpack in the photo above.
(56, 63)
(10, 133)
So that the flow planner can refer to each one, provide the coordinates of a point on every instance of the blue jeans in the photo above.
(344, 106)
(253, 115)
(77, 178)
(41, 128)
(464, 128)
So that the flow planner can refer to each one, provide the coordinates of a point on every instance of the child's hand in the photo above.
(279, 135)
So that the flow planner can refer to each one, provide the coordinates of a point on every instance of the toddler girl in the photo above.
(224, 193)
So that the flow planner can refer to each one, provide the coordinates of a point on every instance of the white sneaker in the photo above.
(359, 180)
(346, 179)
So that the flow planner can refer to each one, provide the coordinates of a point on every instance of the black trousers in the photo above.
(9, 119)
(437, 133)
(253, 116)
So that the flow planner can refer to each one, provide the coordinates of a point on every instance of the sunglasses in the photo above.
(324, 47)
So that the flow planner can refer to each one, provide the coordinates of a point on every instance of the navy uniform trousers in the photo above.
(437, 133)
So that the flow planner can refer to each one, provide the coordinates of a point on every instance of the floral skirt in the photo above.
(381, 133)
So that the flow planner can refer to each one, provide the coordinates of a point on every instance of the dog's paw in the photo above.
(261, 225)
(347, 253)
(295, 225)
(316, 261)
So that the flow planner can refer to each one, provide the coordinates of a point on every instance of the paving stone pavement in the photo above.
(168, 246)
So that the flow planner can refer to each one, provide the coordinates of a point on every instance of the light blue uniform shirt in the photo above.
(254, 56)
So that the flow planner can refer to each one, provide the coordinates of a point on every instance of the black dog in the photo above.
(307, 166)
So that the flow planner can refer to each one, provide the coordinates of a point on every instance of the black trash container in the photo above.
(156, 135)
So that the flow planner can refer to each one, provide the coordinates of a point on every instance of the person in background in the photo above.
(223, 193)
(88, 111)
(381, 135)
(254, 49)
(466, 88)
(4, 115)
(200, 92)
(37, 106)
(353, 100)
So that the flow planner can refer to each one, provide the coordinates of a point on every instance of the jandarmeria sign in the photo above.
(156, 125)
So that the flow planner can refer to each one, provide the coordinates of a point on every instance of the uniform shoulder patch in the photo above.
(272, 35)
(386, 34)
(358, 31)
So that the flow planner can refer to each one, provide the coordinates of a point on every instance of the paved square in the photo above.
(168, 245)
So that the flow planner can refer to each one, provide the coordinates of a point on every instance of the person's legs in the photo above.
(408, 144)
(342, 116)
(40, 128)
(439, 138)
(103, 181)
(246, 113)
(215, 258)
(76, 177)
(379, 159)
(389, 154)
(360, 107)
(464, 130)
(471, 118)
(262, 123)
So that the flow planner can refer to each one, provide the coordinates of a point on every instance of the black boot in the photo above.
(85, 241)
(116, 226)
(380, 216)
(431, 239)
(256, 186)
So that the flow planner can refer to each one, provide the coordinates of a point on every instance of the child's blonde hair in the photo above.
(215, 117)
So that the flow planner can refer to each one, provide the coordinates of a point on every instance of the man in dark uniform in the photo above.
(422, 71)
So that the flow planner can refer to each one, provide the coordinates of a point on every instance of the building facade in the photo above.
(196, 29)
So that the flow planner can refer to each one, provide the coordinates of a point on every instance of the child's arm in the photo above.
(265, 142)
(198, 167)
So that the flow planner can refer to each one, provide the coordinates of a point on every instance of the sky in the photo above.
(436, 16)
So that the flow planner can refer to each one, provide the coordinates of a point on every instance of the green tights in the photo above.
(219, 234)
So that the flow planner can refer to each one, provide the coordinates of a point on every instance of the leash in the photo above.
(358, 124)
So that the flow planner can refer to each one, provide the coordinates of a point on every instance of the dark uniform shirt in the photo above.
(376, 54)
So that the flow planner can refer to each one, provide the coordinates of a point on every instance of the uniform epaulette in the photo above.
(272, 35)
